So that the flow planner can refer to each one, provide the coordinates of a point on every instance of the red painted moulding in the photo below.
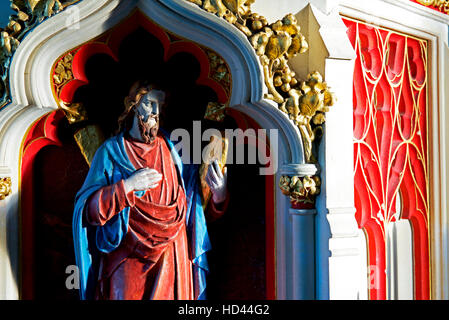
(84, 54)
(132, 23)
(78, 68)
(244, 122)
(41, 134)
(111, 47)
(68, 90)
(138, 19)
(393, 144)
(173, 47)
(201, 56)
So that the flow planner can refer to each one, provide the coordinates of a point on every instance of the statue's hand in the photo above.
(217, 182)
(143, 179)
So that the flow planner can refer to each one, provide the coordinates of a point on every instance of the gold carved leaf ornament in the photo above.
(28, 14)
(63, 71)
(300, 189)
(305, 102)
(5, 187)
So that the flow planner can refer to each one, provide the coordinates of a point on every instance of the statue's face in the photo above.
(147, 113)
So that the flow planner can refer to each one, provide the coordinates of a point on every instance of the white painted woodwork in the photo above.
(335, 252)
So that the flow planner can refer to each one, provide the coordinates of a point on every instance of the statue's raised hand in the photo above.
(217, 182)
(143, 179)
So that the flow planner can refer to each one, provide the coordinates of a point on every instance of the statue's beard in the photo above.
(148, 130)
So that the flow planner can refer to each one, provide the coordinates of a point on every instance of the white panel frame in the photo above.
(411, 18)
(400, 269)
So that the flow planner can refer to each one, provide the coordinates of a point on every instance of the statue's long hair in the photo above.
(138, 90)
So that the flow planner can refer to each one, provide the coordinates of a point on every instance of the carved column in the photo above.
(303, 253)
(301, 184)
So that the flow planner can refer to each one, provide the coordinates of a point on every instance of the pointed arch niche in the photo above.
(98, 38)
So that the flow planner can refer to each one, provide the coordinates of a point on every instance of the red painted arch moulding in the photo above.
(41, 134)
(391, 157)
(109, 43)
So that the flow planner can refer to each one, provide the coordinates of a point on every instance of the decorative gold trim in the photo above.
(305, 102)
(62, 74)
(63, 71)
(75, 112)
(441, 5)
(300, 189)
(5, 187)
(219, 71)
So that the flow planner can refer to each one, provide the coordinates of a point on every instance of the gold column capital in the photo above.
(300, 189)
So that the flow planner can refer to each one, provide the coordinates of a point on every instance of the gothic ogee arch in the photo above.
(32, 97)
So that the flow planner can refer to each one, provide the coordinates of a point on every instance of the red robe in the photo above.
(152, 262)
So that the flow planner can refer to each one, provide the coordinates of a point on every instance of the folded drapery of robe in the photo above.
(110, 165)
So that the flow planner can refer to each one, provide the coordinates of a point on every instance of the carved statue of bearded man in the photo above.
(139, 226)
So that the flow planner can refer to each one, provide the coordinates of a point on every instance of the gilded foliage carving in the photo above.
(29, 13)
(5, 187)
(219, 70)
(305, 102)
(441, 5)
(75, 112)
(63, 70)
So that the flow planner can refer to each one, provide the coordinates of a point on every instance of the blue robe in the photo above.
(109, 165)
